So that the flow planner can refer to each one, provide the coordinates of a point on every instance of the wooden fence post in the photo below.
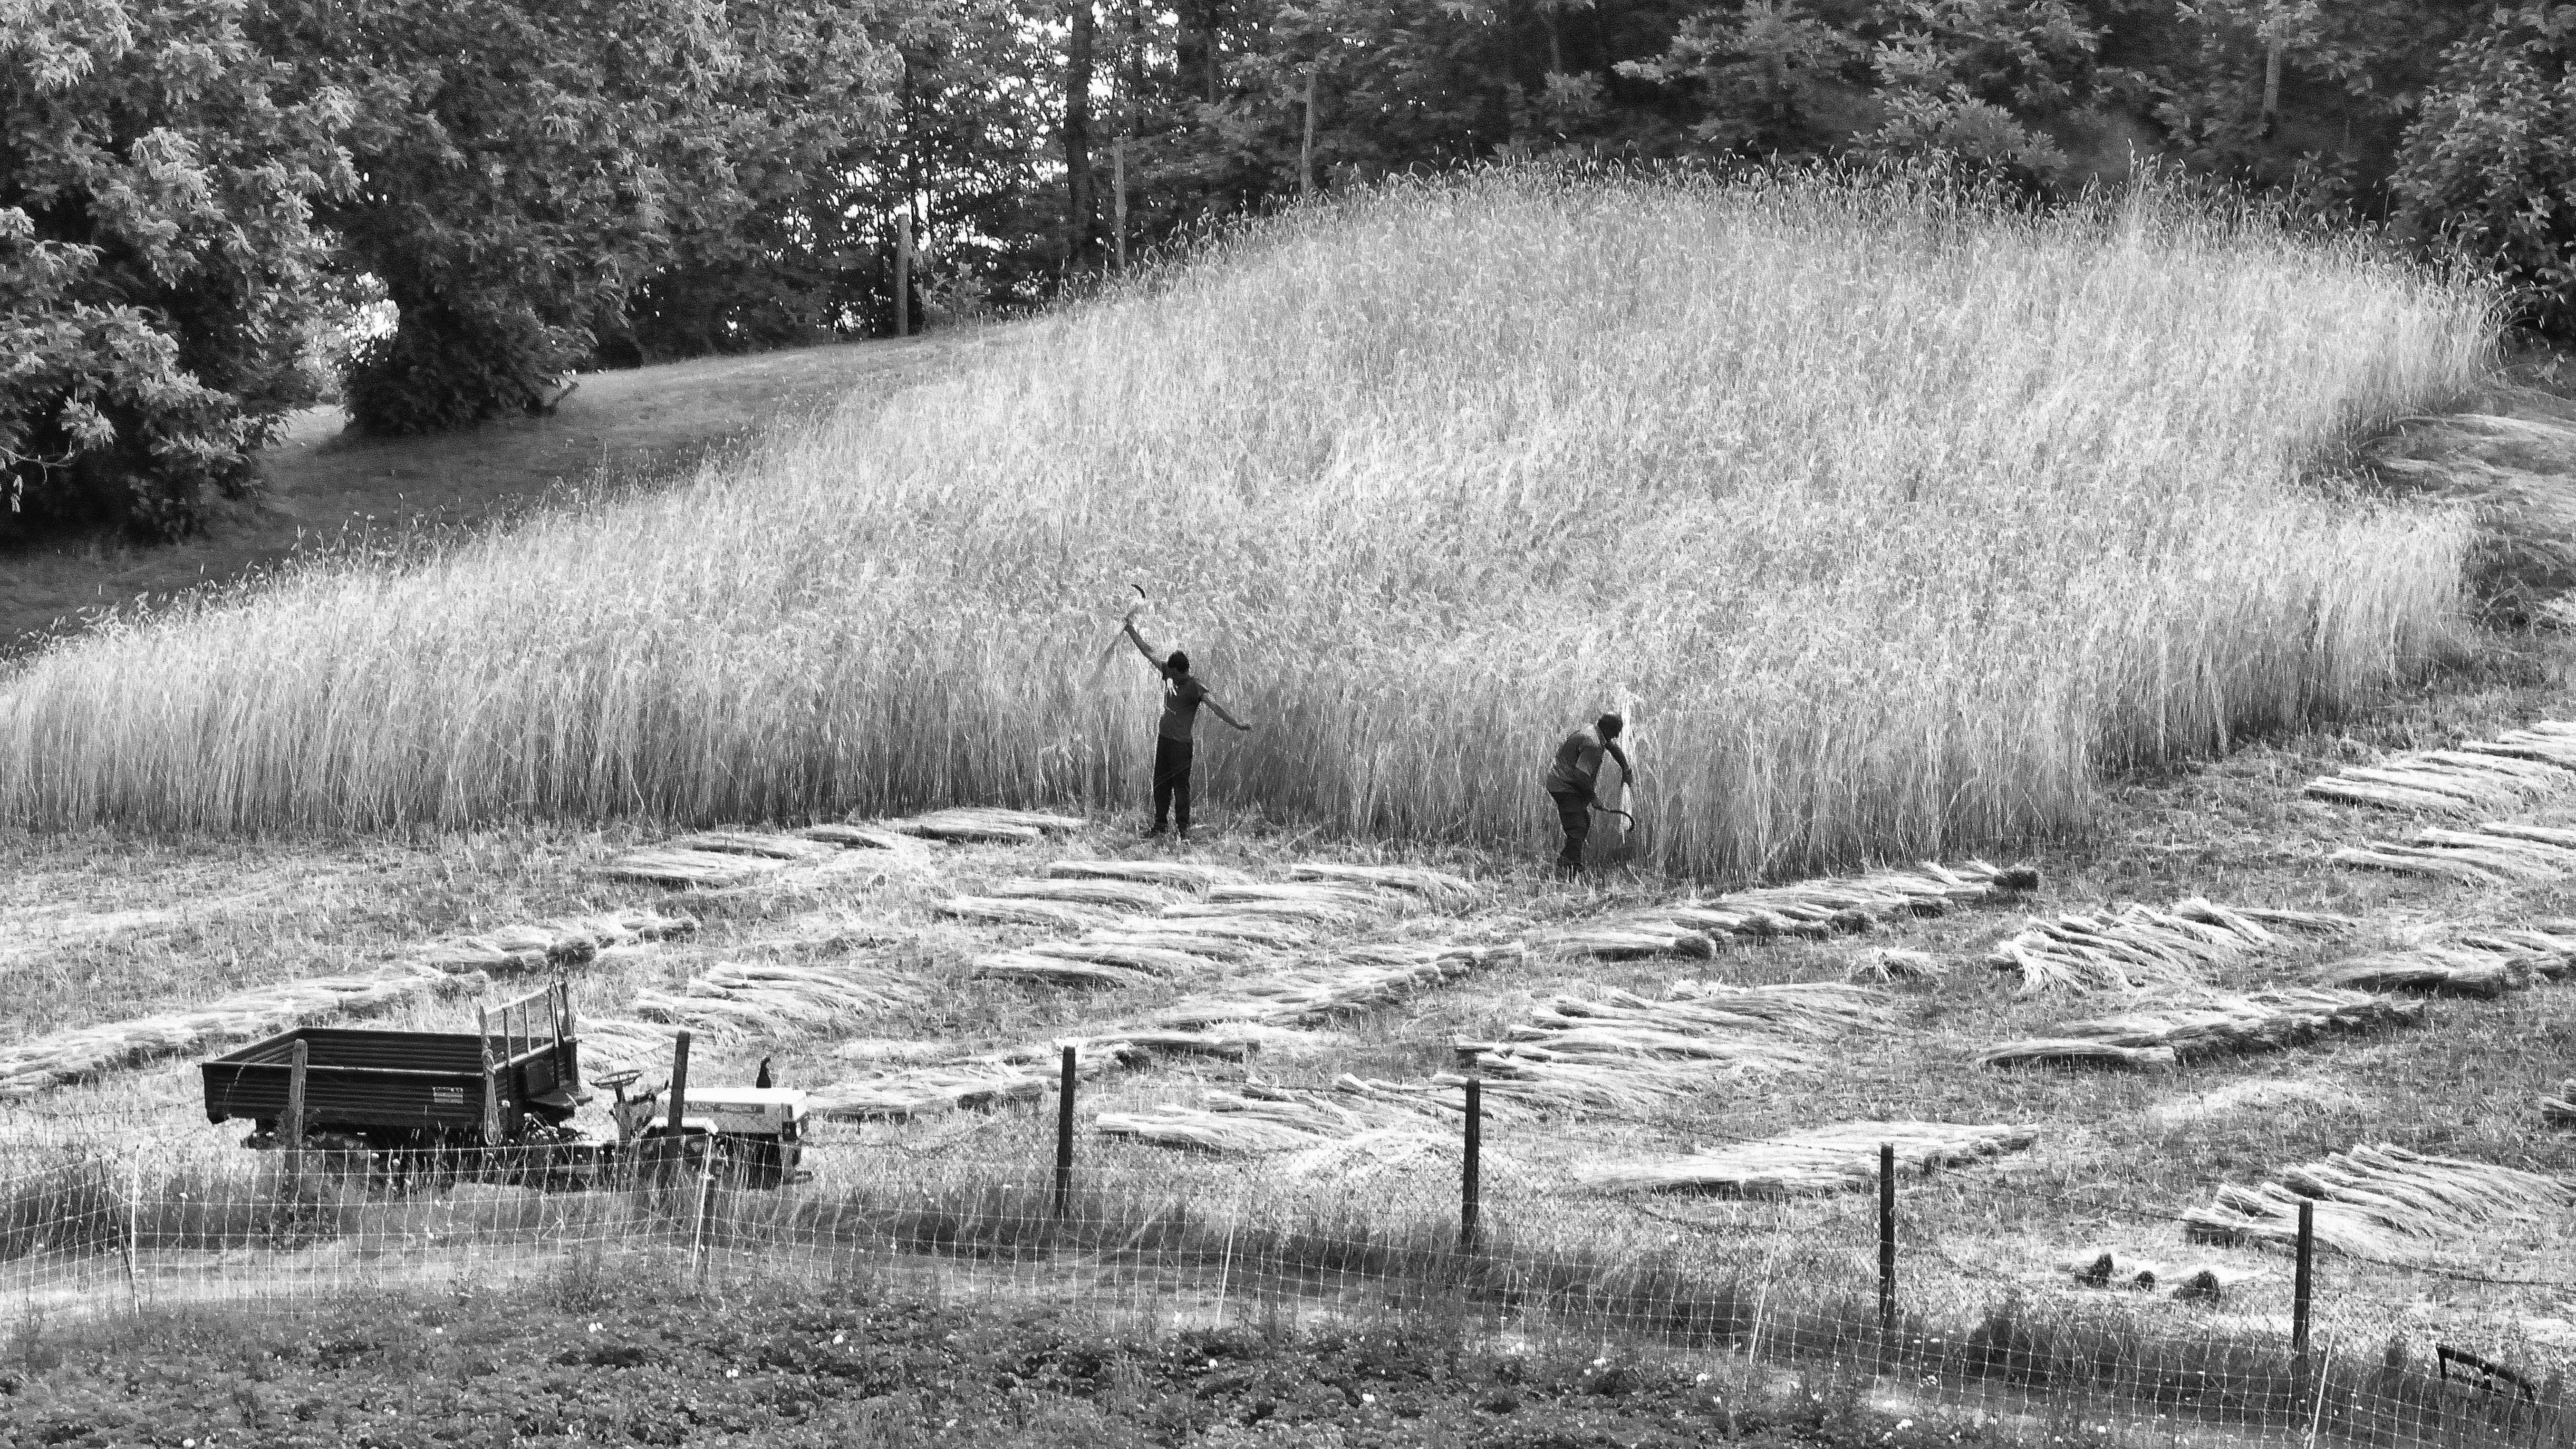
(1887, 1238)
(1064, 1136)
(1471, 1209)
(2303, 1285)
(491, 1079)
(290, 1131)
(673, 1148)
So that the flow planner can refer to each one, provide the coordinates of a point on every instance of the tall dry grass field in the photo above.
(1890, 517)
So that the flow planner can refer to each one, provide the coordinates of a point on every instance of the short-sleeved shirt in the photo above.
(1181, 696)
(1578, 764)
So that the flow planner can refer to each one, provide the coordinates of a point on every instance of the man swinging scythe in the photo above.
(1177, 740)
(1573, 781)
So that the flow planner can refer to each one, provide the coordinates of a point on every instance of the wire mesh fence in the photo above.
(1851, 1293)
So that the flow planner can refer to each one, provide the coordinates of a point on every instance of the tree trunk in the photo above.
(1081, 208)
(1118, 206)
(2271, 84)
(1194, 47)
(1306, 150)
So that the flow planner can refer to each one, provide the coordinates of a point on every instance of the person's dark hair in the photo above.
(1609, 725)
(1179, 662)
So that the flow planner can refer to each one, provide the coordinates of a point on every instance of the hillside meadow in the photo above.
(1893, 517)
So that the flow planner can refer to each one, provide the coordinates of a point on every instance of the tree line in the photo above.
(195, 200)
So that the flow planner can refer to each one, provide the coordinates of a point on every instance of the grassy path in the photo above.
(623, 429)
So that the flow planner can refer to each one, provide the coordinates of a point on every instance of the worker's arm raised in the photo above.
(1152, 655)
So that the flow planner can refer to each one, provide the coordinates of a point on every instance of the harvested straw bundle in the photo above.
(1842, 1157)
(1265, 1119)
(2141, 946)
(2494, 852)
(1626, 940)
(1804, 1011)
(663, 866)
(1810, 1010)
(1178, 874)
(2547, 742)
(1888, 965)
(2560, 1111)
(1243, 930)
(566, 941)
(1035, 969)
(1324, 893)
(61, 1057)
(1006, 911)
(752, 842)
(2526, 765)
(1639, 1046)
(1371, 976)
(1928, 889)
(2381, 1202)
(66, 1056)
(1104, 950)
(2262, 1021)
(2435, 970)
(1607, 1081)
(1159, 935)
(1318, 914)
(989, 1080)
(614, 1044)
(769, 1000)
(1431, 885)
(1114, 895)
(858, 837)
(946, 1087)
(982, 825)
(1812, 909)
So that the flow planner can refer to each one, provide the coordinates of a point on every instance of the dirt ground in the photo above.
(326, 487)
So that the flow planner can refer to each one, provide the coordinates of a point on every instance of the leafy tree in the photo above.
(526, 164)
(2490, 163)
(157, 258)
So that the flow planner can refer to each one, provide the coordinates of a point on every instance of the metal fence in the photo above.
(95, 1235)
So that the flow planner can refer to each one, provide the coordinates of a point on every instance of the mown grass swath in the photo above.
(1889, 515)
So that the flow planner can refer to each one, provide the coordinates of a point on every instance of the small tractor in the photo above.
(498, 1101)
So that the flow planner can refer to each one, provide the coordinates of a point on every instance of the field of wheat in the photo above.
(1891, 518)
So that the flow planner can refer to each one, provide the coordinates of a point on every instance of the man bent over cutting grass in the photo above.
(1572, 782)
(1178, 739)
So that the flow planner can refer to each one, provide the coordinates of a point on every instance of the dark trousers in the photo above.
(1574, 812)
(1172, 780)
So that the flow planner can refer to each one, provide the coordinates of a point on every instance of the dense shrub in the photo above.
(157, 259)
(2490, 163)
(528, 165)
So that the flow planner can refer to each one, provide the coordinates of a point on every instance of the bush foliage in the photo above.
(2491, 162)
(158, 259)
